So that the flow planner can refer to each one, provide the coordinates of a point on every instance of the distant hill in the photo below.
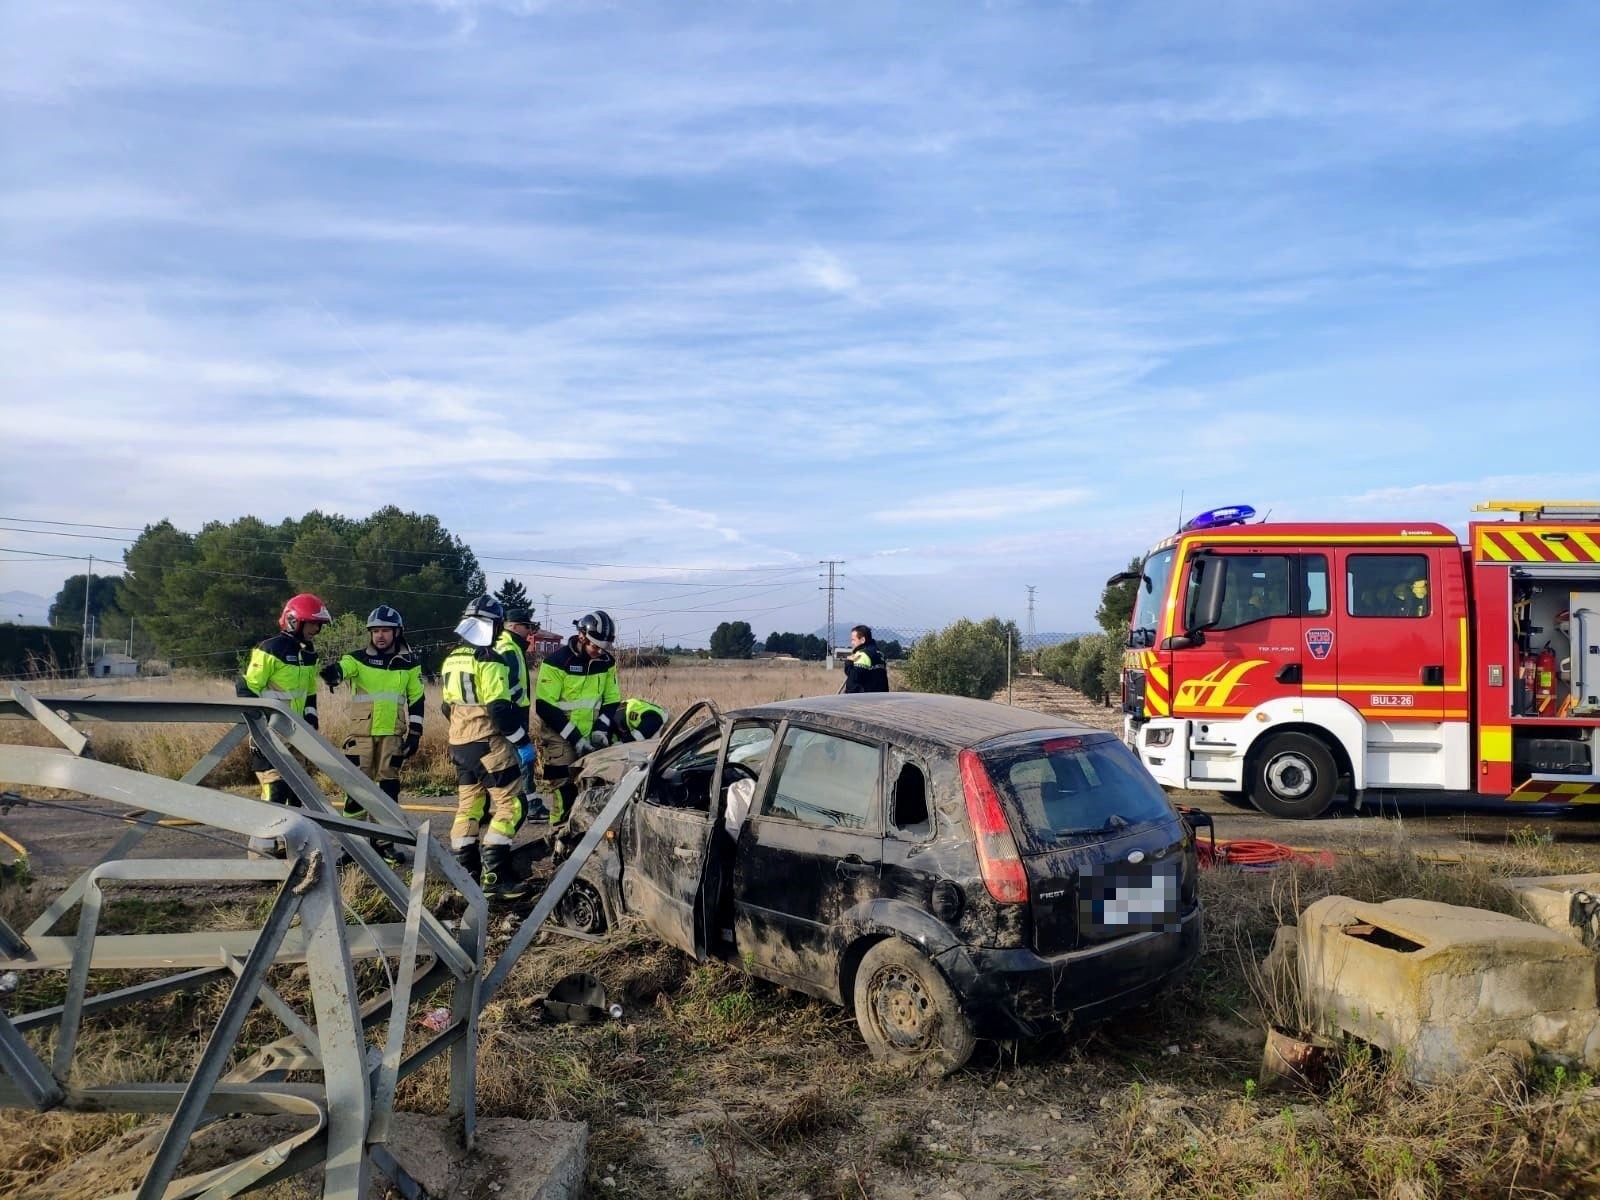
(880, 633)
(1042, 639)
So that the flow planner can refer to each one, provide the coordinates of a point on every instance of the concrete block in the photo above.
(514, 1159)
(1547, 899)
(1443, 985)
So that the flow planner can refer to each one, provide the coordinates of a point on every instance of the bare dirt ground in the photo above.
(715, 1084)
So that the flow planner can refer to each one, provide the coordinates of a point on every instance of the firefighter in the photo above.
(520, 623)
(284, 667)
(1419, 596)
(865, 669)
(513, 647)
(385, 679)
(489, 745)
(641, 720)
(575, 699)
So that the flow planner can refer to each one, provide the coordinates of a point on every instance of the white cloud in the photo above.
(983, 504)
(828, 272)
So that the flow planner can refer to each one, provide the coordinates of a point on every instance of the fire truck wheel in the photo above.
(1293, 775)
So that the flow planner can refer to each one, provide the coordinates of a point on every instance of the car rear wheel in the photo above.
(907, 1011)
(1293, 775)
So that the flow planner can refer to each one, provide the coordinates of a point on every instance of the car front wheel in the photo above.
(907, 1011)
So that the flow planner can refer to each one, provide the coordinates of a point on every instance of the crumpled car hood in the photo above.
(612, 763)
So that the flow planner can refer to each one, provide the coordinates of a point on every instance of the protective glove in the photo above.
(332, 675)
(242, 689)
(409, 746)
(583, 746)
(599, 739)
(311, 718)
(527, 756)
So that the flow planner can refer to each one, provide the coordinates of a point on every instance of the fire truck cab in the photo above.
(1282, 663)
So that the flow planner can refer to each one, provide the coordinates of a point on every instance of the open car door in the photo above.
(666, 842)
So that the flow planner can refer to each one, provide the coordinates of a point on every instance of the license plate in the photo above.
(1133, 897)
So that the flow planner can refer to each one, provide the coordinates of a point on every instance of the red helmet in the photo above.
(302, 608)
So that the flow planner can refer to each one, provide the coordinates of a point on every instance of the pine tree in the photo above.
(512, 594)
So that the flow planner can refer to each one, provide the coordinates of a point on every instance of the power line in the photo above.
(556, 562)
(344, 559)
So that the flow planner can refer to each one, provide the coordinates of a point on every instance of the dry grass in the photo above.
(717, 1084)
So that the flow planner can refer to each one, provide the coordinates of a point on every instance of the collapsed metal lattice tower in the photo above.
(348, 1113)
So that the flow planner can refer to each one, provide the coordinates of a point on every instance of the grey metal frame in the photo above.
(350, 1112)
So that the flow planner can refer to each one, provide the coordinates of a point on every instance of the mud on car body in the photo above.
(949, 869)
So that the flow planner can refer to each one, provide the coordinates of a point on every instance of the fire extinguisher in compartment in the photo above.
(1527, 677)
(1544, 687)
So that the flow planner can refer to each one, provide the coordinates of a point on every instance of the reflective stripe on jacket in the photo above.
(284, 668)
(477, 690)
(516, 656)
(385, 684)
(643, 719)
(575, 694)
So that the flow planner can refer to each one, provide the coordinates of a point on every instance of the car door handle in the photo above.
(854, 864)
(1288, 673)
(1433, 676)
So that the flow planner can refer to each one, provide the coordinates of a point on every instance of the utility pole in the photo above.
(1028, 644)
(88, 586)
(547, 610)
(832, 586)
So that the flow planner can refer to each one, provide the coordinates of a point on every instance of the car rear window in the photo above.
(1067, 788)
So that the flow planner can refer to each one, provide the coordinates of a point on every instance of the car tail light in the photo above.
(1003, 873)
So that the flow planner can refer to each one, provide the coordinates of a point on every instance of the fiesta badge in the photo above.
(1320, 643)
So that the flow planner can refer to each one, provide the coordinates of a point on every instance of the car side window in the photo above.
(824, 780)
(910, 809)
(749, 747)
(684, 779)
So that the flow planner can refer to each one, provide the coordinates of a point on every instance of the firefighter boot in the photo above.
(501, 883)
(390, 852)
(467, 856)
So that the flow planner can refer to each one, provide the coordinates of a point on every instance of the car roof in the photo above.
(951, 721)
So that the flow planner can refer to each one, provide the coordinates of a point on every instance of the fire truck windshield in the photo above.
(1150, 600)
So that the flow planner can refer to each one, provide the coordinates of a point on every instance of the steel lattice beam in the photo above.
(349, 1113)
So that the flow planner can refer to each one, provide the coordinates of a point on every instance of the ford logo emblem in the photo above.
(1136, 857)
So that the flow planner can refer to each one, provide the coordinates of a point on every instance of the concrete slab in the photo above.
(514, 1160)
(1442, 986)
(1548, 899)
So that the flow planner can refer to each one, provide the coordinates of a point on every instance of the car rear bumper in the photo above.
(1018, 993)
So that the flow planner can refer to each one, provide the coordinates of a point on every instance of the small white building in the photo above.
(112, 664)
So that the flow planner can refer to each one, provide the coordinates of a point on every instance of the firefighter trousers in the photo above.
(488, 784)
(274, 790)
(556, 760)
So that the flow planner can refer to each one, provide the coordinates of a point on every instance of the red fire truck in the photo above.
(1282, 663)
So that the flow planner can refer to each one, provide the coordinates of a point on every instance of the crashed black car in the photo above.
(950, 869)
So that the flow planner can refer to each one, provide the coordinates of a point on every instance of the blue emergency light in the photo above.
(1216, 518)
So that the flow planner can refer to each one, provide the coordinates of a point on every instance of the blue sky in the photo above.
(964, 294)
